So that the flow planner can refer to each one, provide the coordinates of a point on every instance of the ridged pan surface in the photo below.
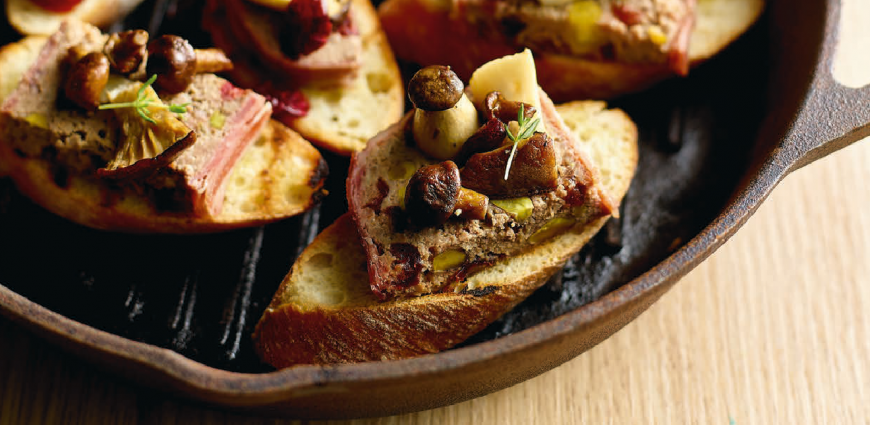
(201, 296)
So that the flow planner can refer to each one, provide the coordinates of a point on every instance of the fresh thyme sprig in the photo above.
(527, 128)
(143, 102)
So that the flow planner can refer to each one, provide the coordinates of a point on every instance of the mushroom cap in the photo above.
(173, 59)
(86, 80)
(431, 194)
(126, 50)
(435, 88)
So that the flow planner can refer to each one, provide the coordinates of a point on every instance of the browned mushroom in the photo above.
(488, 137)
(496, 106)
(532, 171)
(173, 59)
(434, 193)
(444, 117)
(175, 62)
(435, 88)
(126, 50)
(86, 79)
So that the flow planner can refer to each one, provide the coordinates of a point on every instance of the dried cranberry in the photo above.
(306, 27)
(407, 264)
(287, 105)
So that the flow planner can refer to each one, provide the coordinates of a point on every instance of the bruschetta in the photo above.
(126, 133)
(434, 263)
(584, 49)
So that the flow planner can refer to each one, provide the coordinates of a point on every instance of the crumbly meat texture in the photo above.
(400, 258)
(38, 122)
(628, 31)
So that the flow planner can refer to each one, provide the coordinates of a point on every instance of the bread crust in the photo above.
(410, 24)
(294, 334)
(277, 176)
(324, 311)
(30, 19)
(93, 202)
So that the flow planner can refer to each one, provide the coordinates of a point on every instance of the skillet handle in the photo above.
(832, 116)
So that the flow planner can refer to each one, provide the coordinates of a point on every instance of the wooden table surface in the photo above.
(773, 328)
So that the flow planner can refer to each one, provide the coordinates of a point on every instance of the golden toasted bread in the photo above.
(325, 311)
(430, 32)
(279, 175)
(342, 116)
(30, 19)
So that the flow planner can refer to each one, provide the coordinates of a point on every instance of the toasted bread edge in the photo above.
(30, 19)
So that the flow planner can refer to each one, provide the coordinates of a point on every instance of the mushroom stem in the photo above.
(441, 134)
(471, 204)
(212, 60)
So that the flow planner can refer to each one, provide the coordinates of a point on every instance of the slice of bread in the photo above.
(342, 117)
(30, 19)
(429, 32)
(325, 312)
(279, 175)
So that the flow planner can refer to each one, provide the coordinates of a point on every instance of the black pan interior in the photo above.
(202, 295)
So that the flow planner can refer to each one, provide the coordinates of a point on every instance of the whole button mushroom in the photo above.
(444, 117)
(175, 62)
(434, 193)
(173, 59)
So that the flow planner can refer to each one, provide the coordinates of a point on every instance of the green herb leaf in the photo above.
(143, 102)
(179, 109)
(527, 129)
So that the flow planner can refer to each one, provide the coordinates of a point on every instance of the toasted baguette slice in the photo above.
(425, 32)
(325, 312)
(341, 118)
(30, 19)
(279, 175)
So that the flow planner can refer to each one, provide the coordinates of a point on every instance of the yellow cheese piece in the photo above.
(514, 76)
(37, 120)
(583, 16)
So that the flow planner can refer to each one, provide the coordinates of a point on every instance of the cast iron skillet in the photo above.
(176, 312)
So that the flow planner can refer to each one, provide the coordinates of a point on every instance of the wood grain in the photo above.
(773, 328)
